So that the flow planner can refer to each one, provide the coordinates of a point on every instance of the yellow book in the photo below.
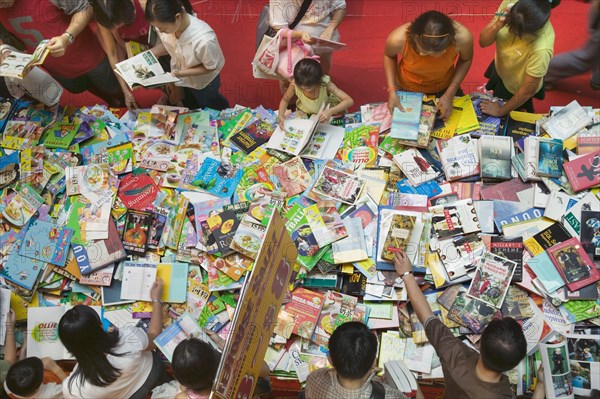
(135, 48)
(468, 118)
(448, 129)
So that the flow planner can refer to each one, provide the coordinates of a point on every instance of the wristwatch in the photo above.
(405, 274)
(157, 300)
(70, 36)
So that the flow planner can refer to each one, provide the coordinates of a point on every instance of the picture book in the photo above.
(398, 235)
(223, 227)
(450, 220)
(584, 358)
(227, 273)
(406, 121)
(137, 191)
(219, 178)
(292, 176)
(19, 135)
(42, 331)
(23, 205)
(19, 269)
(510, 248)
(353, 247)
(325, 223)
(252, 136)
(495, 155)
(305, 306)
(567, 121)
(492, 279)
(101, 277)
(6, 108)
(338, 185)
(589, 235)
(360, 145)
(135, 232)
(196, 298)
(415, 167)
(144, 70)
(138, 278)
(550, 159)
(47, 242)
(87, 178)
(18, 65)
(295, 135)
(459, 157)
(584, 172)
(248, 237)
(521, 124)
(181, 329)
(324, 143)
(202, 211)
(194, 127)
(573, 264)
(61, 136)
(558, 380)
(302, 235)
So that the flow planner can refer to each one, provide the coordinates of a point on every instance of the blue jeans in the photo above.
(208, 97)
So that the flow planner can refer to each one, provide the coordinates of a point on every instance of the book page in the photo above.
(137, 281)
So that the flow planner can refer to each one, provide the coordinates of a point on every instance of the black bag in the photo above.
(264, 28)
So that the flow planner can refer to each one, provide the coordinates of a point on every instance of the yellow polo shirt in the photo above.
(529, 55)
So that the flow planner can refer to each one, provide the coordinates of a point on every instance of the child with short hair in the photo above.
(353, 354)
(313, 88)
(34, 378)
(196, 56)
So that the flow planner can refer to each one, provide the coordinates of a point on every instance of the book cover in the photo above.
(135, 232)
(572, 219)
(137, 191)
(459, 157)
(573, 263)
(292, 176)
(144, 70)
(546, 238)
(353, 247)
(426, 122)
(550, 159)
(252, 136)
(303, 237)
(219, 178)
(488, 125)
(406, 121)
(87, 178)
(47, 242)
(18, 65)
(415, 167)
(354, 284)
(101, 277)
(6, 108)
(495, 155)
(510, 248)
(521, 124)
(175, 278)
(19, 135)
(338, 185)
(587, 140)
(223, 227)
(23, 205)
(589, 235)
(558, 380)
(360, 145)
(450, 220)
(492, 279)
(196, 298)
(181, 329)
(584, 172)
(460, 255)
(248, 237)
(295, 135)
(567, 121)
(325, 222)
(306, 306)
(18, 269)
(398, 235)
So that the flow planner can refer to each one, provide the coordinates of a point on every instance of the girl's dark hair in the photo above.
(25, 376)
(529, 16)
(80, 331)
(195, 364)
(166, 10)
(432, 31)
(110, 13)
(308, 73)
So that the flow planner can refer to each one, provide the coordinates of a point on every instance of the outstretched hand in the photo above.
(157, 289)
(402, 263)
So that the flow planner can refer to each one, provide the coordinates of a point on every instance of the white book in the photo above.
(144, 70)
(138, 278)
(324, 143)
(415, 167)
(558, 203)
(531, 157)
(459, 156)
(567, 121)
(295, 135)
(557, 370)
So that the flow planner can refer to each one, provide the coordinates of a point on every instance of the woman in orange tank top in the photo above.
(435, 56)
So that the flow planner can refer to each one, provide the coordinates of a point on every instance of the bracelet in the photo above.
(392, 89)
(158, 300)
(405, 274)
(70, 36)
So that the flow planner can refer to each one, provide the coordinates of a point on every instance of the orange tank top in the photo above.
(425, 73)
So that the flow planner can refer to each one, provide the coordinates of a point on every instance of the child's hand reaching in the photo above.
(325, 116)
(394, 102)
(281, 122)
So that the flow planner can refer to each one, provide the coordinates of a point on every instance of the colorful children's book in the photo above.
(302, 235)
(22, 206)
(248, 237)
(324, 143)
(305, 306)
(338, 185)
(47, 242)
(61, 136)
(295, 135)
(86, 179)
(137, 191)
(219, 178)
(144, 70)
(101, 277)
(223, 227)
(18, 65)
(135, 232)
(573, 264)
(292, 176)
(252, 136)
(584, 172)
(492, 279)
(415, 167)
(19, 269)
(181, 329)
(550, 159)
(406, 121)
(398, 235)
(360, 145)
(325, 223)
(19, 135)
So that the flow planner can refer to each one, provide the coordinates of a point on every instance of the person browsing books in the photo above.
(313, 89)
(196, 56)
(469, 374)
(435, 54)
(120, 21)
(115, 364)
(524, 40)
(76, 59)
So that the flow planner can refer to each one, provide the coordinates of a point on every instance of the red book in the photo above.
(306, 307)
(573, 264)
(584, 172)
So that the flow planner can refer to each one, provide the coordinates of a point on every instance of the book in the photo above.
(510, 248)
(134, 48)
(589, 235)
(336, 184)
(101, 277)
(588, 140)
(305, 306)
(550, 158)
(297, 226)
(459, 256)
(450, 220)
(135, 232)
(248, 237)
(42, 331)
(252, 136)
(61, 136)
(181, 329)
(223, 227)
(573, 264)
(546, 238)
(415, 167)
(19, 269)
(353, 247)
(399, 376)
(521, 124)
(138, 278)
(219, 178)
(47, 242)
(18, 65)
(416, 242)
(558, 380)
(144, 70)
(23, 205)
(584, 171)
(324, 143)
(488, 125)
(360, 145)
(492, 279)
(572, 219)
(405, 122)
(19, 135)
(398, 235)
(459, 157)
(295, 135)
(325, 222)
(495, 156)
(292, 176)
(567, 121)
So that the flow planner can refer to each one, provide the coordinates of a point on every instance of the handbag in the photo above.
(295, 51)
(264, 28)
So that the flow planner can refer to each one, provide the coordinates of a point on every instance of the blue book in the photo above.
(218, 178)
(19, 269)
(550, 157)
(181, 329)
(405, 123)
(430, 188)
(47, 242)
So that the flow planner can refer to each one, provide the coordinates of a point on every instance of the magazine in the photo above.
(144, 70)
(557, 370)
(492, 279)
(18, 65)
(295, 135)
(338, 185)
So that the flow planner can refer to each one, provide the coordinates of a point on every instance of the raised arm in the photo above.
(487, 37)
(155, 327)
(415, 296)
(393, 47)
(79, 20)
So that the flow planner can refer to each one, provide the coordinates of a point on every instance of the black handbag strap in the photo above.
(301, 13)
(378, 391)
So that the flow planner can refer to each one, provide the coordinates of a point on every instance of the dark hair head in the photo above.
(503, 345)
(195, 364)
(432, 31)
(81, 332)
(352, 349)
(529, 16)
(25, 376)
(166, 10)
(112, 13)
(308, 73)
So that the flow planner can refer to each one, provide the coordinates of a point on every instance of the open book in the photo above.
(296, 134)
(18, 65)
(183, 328)
(144, 70)
(327, 44)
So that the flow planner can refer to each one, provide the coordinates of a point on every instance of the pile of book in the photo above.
(498, 216)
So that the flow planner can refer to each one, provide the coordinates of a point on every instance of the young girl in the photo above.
(196, 57)
(524, 40)
(313, 89)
